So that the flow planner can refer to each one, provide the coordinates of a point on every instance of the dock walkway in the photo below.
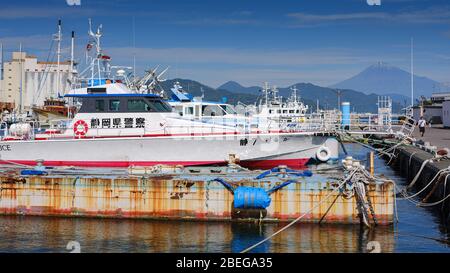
(437, 136)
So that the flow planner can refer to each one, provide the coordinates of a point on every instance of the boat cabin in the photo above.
(122, 103)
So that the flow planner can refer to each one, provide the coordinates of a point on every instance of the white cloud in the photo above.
(245, 57)
(218, 22)
(429, 15)
(35, 42)
(42, 12)
(323, 66)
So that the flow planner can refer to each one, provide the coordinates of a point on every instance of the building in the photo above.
(446, 114)
(27, 82)
(434, 112)
(439, 98)
(431, 113)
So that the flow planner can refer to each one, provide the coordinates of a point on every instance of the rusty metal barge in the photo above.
(194, 194)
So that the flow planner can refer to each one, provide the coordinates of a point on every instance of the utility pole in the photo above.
(412, 72)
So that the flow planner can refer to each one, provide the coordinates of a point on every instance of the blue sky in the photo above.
(249, 41)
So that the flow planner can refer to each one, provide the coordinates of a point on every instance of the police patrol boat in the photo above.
(114, 129)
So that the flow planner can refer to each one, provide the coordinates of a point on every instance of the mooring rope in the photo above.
(432, 180)
(416, 178)
(303, 215)
(423, 204)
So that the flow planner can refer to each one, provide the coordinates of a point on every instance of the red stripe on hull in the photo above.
(251, 164)
(269, 164)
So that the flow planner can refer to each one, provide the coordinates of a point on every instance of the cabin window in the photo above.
(189, 110)
(160, 106)
(291, 111)
(114, 105)
(100, 106)
(229, 109)
(179, 110)
(212, 111)
(138, 106)
(96, 90)
(197, 110)
(279, 111)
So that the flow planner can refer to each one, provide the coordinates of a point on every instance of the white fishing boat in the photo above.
(272, 106)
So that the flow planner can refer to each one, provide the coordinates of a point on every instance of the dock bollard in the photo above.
(371, 163)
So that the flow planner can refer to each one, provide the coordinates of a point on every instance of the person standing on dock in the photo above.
(422, 123)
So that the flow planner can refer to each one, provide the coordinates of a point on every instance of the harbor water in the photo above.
(419, 230)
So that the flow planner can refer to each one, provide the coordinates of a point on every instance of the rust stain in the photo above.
(159, 198)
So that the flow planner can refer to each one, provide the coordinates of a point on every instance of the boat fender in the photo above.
(323, 154)
(251, 198)
(443, 152)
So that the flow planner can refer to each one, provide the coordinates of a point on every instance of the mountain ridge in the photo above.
(383, 79)
(308, 92)
(236, 87)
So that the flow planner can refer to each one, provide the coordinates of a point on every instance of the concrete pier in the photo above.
(410, 159)
(436, 135)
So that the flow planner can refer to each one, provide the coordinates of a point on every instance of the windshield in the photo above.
(228, 109)
(212, 110)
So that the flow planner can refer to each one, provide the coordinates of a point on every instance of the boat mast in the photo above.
(72, 56)
(276, 99)
(134, 47)
(96, 61)
(72, 71)
(58, 38)
(294, 90)
(99, 52)
(266, 92)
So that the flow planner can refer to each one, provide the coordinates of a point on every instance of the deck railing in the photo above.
(318, 122)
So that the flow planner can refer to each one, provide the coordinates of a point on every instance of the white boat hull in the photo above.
(254, 151)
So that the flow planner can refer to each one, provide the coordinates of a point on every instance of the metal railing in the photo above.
(317, 122)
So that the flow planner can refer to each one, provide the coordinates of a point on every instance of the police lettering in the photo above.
(106, 123)
(5, 148)
(95, 123)
(117, 122)
(140, 123)
(127, 123)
